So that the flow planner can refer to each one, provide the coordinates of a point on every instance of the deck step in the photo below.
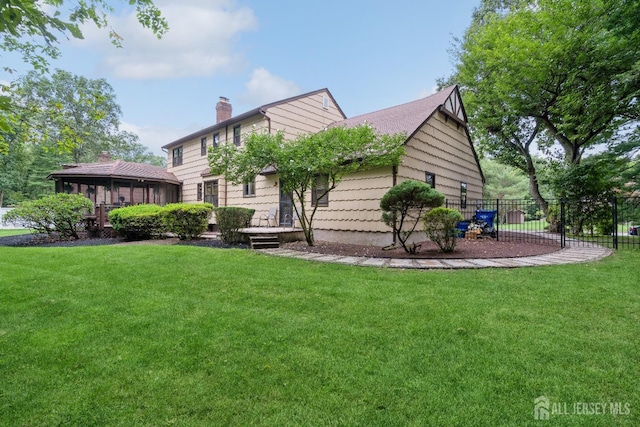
(264, 242)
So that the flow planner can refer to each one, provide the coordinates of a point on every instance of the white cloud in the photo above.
(200, 41)
(264, 87)
(427, 92)
(154, 137)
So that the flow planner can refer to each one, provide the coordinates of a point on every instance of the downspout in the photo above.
(394, 181)
(226, 139)
(264, 114)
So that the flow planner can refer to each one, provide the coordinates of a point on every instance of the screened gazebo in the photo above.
(118, 183)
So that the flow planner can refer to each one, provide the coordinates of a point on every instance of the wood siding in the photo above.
(443, 148)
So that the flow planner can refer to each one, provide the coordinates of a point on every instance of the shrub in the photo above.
(59, 213)
(187, 221)
(402, 207)
(440, 226)
(230, 219)
(140, 222)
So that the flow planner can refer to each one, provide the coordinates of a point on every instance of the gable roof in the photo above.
(262, 110)
(409, 117)
(117, 169)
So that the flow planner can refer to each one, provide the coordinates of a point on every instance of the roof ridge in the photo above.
(440, 92)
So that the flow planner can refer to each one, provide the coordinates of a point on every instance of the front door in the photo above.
(286, 208)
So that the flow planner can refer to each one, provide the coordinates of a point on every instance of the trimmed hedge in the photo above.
(139, 222)
(187, 221)
(230, 219)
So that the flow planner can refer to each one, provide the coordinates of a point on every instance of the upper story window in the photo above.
(236, 135)
(203, 146)
(216, 140)
(177, 156)
(325, 102)
(430, 178)
(319, 194)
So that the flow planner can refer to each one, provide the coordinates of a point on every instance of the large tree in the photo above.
(61, 119)
(32, 29)
(311, 163)
(548, 74)
(72, 113)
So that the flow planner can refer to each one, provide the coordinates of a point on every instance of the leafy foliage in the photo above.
(187, 221)
(62, 119)
(402, 208)
(440, 226)
(32, 28)
(230, 219)
(61, 214)
(559, 74)
(334, 153)
(139, 222)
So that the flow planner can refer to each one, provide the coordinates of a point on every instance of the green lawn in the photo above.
(187, 336)
(13, 231)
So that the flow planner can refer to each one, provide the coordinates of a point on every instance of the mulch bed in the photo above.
(43, 240)
(481, 248)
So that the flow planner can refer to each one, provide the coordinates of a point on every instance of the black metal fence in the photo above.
(610, 222)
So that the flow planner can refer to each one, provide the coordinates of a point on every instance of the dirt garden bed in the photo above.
(480, 248)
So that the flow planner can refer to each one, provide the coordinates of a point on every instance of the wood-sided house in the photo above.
(439, 151)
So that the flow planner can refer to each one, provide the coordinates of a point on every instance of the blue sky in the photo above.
(369, 54)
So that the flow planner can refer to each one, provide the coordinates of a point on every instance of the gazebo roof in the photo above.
(118, 169)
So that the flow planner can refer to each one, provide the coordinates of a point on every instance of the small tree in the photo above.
(403, 206)
(440, 226)
(58, 213)
(330, 154)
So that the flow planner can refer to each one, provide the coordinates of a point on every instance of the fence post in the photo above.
(497, 220)
(562, 224)
(614, 214)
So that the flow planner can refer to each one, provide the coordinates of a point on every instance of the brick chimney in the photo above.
(104, 157)
(223, 110)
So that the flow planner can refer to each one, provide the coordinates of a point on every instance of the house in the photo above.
(187, 156)
(439, 151)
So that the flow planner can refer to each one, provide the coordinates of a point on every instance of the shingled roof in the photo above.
(407, 118)
(117, 169)
(259, 110)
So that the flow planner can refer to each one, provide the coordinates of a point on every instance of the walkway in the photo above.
(569, 255)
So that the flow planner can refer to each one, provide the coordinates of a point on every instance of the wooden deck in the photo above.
(285, 234)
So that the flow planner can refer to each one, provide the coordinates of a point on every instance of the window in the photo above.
(203, 146)
(211, 192)
(177, 156)
(236, 135)
(463, 195)
(199, 192)
(249, 189)
(325, 102)
(216, 140)
(430, 178)
(319, 194)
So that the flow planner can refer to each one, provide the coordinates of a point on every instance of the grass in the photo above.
(13, 231)
(156, 335)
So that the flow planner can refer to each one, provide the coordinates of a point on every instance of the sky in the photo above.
(369, 54)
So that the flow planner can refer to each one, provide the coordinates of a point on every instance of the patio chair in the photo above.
(271, 216)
